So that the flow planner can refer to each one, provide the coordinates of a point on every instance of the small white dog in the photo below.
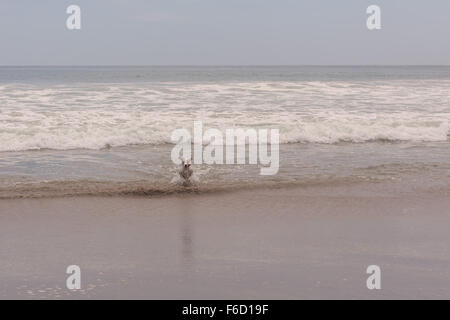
(186, 171)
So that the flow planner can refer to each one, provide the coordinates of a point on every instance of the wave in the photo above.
(76, 188)
(96, 116)
(417, 174)
(97, 129)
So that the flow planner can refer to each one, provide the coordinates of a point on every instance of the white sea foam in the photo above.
(101, 115)
(90, 129)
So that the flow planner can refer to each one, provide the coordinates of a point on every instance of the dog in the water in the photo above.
(186, 171)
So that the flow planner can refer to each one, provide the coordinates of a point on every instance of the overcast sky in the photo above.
(224, 32)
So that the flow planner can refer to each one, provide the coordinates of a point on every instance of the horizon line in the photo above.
(225, 65)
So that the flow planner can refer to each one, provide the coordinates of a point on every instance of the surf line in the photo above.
(193, 310)
(235, 138)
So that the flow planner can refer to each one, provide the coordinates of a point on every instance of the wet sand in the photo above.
(294, 243)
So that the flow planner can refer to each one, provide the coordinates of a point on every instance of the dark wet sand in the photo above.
(258, 244)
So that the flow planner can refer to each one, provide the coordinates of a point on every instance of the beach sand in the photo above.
(284, 243)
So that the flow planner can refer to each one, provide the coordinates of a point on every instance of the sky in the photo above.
(224, 32)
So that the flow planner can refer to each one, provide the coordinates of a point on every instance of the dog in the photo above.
(186, 171)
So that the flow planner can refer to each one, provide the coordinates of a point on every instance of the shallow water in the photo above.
(148, 170)
(107, 130)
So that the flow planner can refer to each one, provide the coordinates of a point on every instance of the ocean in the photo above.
(67, 131)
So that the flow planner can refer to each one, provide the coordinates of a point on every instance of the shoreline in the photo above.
(253, 244)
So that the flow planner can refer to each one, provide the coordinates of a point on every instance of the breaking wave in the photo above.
(65, 130)
(110, 115)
